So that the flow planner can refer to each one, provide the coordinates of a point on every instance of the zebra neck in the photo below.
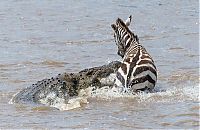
(133, 47)
(129, 40)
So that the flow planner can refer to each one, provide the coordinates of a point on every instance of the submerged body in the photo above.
(67, 85)
(137, 71)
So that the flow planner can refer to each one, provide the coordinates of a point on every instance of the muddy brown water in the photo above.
(39, 39)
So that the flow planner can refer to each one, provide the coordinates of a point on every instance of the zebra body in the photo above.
(137, 70)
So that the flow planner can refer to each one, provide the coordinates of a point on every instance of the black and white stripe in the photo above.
(137, 71)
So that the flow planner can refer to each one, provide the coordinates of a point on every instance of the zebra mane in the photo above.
(119, 22)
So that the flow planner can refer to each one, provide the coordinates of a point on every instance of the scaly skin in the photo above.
(66, 85)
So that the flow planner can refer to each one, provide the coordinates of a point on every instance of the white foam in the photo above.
(185, 93)
(72, 104)
(61, 103)
(108, 80)
(172, 94)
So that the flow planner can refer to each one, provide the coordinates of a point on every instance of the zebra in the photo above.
(137, 71)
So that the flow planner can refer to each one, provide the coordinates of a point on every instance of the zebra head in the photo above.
(122, 34)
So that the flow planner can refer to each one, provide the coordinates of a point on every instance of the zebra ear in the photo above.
(128, 21)
(114, 27)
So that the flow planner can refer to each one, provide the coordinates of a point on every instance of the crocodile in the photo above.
(67, 85)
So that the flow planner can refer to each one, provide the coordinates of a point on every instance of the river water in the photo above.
(39, 39)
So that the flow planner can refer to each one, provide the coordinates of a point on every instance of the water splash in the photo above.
(71, 104)
(173, 94)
